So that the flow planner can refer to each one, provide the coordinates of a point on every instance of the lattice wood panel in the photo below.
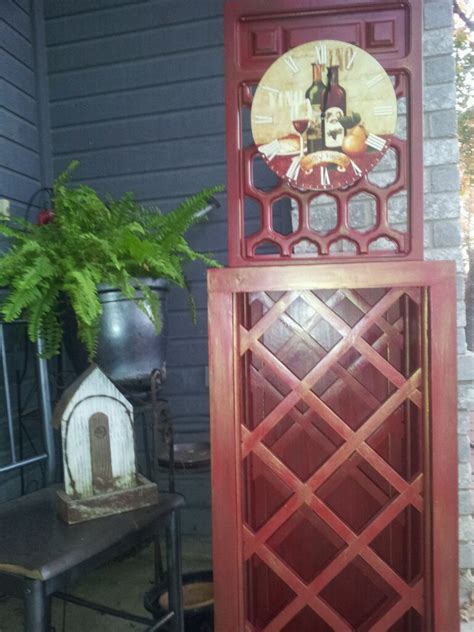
(335, 372)
(378, 217)
(332, 497)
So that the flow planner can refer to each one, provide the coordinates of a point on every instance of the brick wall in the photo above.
(443, 235)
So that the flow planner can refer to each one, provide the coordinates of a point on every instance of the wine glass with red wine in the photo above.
(300, 118)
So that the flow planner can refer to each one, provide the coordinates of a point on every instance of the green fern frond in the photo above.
(18, 301)
(41, 270)
(51, 332)
(150, 305)
(91, 241)
(41, 312)
(81, 289)
(191, 305)
(12, 232)
(88, 335)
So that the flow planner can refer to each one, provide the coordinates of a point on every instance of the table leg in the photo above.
(37, 607)
(158, 560)
(175, 586)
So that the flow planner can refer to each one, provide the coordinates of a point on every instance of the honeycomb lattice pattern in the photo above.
(371, 219)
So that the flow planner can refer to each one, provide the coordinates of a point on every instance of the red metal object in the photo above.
(334, 447)
(256, 33)
(45, 216)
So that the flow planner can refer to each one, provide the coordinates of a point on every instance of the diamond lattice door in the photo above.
(333, 483)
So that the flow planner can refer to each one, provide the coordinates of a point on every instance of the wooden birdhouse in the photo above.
(100, 477)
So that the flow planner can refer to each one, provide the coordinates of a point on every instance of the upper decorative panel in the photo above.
(324, 131)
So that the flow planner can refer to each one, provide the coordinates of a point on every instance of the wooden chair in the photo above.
(40, 555)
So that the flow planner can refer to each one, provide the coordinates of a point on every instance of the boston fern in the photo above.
(89, 242)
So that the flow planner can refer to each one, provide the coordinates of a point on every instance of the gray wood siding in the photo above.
(20, 168)
(19, 144)
(137, 96)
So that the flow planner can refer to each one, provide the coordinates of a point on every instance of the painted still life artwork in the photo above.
(323, 115)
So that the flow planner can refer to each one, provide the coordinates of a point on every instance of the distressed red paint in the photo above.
(333, 424)
(256, 33)
(334, 478)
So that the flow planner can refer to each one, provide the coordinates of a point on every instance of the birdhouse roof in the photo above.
(91, 382)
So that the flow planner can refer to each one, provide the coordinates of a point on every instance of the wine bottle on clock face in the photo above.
(315, 94)
(333, 106)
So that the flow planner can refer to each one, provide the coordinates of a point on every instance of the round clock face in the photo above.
(323, 115)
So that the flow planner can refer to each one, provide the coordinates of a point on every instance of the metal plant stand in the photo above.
(175, 457)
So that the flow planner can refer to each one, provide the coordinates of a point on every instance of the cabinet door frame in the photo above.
(440, 468)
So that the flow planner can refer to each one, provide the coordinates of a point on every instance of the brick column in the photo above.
(443, 236)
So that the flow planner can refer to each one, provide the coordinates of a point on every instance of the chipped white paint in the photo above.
(94, 393)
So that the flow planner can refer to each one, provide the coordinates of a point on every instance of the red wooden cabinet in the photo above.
(334, 470)
(333, 401)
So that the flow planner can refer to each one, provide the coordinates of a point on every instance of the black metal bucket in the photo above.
(129, 348)
(198, 598)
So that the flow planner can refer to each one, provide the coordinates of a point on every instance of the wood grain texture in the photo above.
(258, 33)
(427, 338)
(226, 504)
(101, 458)
(90, 394)
(335, 275)
(19, 121)
(444, 458)
(144, 493)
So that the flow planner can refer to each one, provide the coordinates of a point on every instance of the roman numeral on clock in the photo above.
(272, 90)
(357, 171)
(271, 149)
(383, 110)
(294, 169)
(375, 142)
(324, 173)
(292, 65)
(375, 80)
(351, 60)
(321, 54)
(260, 118)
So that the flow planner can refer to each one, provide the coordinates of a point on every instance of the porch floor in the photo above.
(120, 585)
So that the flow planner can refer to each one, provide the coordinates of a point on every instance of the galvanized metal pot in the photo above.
(129, 348)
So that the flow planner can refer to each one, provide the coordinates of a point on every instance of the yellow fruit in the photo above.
(354, 142)
(359, 131)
